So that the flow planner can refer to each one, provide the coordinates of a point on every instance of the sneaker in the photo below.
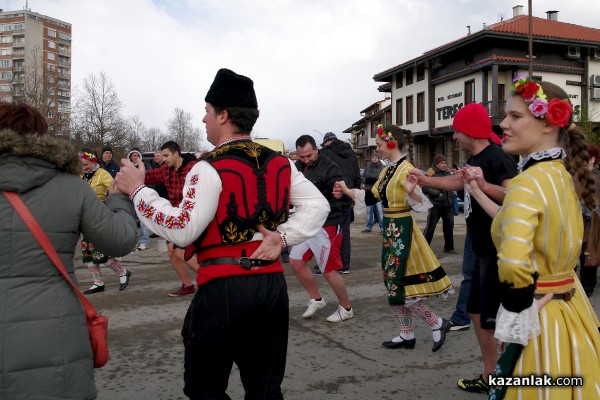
(313, 307)
(366, 230)
(183, 290)
(458, 327)
(477, 385)
(318, 273)
(142, 247)
(345, 270)
(341, 314)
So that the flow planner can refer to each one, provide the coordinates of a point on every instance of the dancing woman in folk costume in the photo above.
(411, 271)
(99, 179)
(545, 322)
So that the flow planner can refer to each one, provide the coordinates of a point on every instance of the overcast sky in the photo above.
(312, 61)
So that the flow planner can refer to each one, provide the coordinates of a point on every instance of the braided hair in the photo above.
(572, 138)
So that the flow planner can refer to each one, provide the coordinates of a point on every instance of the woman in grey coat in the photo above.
(45, 349)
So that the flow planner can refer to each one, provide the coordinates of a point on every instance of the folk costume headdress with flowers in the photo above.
(88, 156)
(556, 111)
(387, 136)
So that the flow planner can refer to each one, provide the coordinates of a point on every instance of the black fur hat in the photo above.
(231, 90)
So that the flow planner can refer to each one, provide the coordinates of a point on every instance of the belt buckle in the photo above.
(245, 263)
(568, 295)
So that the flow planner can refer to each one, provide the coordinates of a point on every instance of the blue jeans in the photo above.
(144, 235)
(460, 316)
(371, 218)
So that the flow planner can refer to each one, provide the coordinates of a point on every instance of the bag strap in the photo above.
(44, 242)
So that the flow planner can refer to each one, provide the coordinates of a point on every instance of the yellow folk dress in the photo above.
(410, 267)
(539, 229)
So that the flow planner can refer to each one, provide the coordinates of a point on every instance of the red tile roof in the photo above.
(547, 28)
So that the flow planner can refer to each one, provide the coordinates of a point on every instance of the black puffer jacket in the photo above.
(438, 197)
(324, 173)
(342, 154)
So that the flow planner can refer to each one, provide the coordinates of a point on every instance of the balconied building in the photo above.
(363, 131)
(427, 91)
(35, 63)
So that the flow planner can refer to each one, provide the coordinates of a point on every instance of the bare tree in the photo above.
(98, 118)
(153, 139)
(134, 132)
(181, 130)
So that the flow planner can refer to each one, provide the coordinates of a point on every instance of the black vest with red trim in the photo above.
(255, 190)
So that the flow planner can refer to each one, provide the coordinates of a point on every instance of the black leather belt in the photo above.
(243, 262)
(558, 296)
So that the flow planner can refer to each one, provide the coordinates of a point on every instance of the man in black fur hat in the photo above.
(234, 217)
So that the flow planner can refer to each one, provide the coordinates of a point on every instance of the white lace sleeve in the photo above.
(514, 327)
(425, 203)
(360, 207)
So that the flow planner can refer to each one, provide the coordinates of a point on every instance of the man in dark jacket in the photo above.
(370, 176)
(108, 163)
(325, 245)
(342, 154)
(442, 201)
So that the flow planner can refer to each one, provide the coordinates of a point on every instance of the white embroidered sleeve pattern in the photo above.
(184, 224)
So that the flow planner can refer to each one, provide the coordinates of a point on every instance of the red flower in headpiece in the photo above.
(559, 112)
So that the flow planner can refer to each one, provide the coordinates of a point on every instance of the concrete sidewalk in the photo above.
(332, 361)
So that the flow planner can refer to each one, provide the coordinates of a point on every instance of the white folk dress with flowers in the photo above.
(410, 268)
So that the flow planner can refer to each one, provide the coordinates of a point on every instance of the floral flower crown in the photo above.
(390, 141)
(88, 156)
(556, 111)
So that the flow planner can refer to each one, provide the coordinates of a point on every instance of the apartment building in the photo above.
(35, 63)
(425, 92)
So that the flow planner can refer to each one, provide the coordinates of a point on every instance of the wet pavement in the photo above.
(325, 360)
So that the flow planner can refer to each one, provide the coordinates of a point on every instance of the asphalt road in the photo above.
(325, 360)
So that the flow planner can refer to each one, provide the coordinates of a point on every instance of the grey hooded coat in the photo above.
(45, 350)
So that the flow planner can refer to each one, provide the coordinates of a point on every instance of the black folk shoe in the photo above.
(445, 328)
(407, 344)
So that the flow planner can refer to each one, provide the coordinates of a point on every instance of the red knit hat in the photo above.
(473, 120)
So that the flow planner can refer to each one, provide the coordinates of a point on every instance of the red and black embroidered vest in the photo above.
(256, 190)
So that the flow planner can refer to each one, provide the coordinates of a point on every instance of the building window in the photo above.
(51, 91)
(51, 103)
(18, 26)
(5, 88)
(421, 107)
(5, 63)
(51, 79)
(51, 56)
(5, 51)
(399, 112)
(409, 109)
(399, 80)
(6, 27)
(51, 32)
(6, 39)
(51, 44)
(470, 91)
(409, 76)
(420, 73)
(6, 75)
(51, 67)
(50, 114)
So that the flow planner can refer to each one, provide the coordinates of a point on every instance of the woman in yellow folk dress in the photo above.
(545, 322)
(99, 179)
(411, 271)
